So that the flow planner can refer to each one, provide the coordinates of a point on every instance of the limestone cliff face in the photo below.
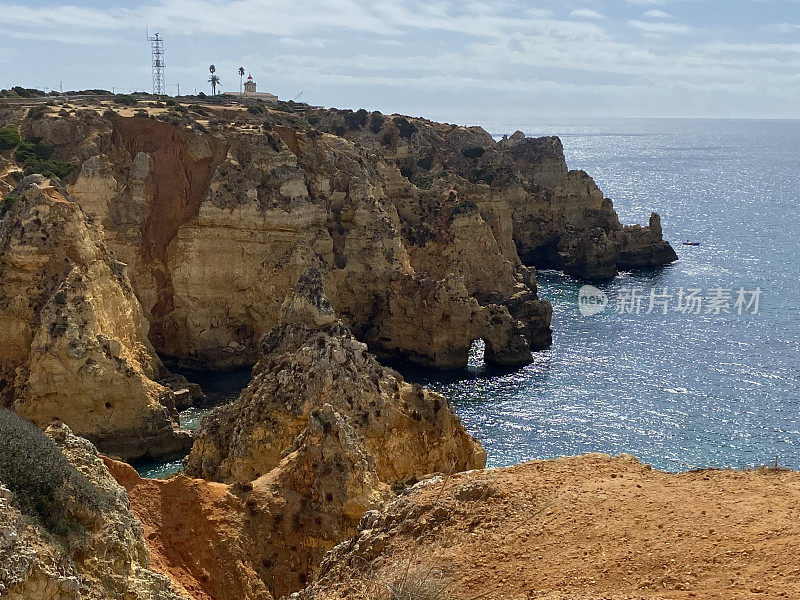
(182, 208)
(556, 218)
(408, 430)
(83, 543)
(317, 438)
(265, 538)
(218, 213)
(73, 339)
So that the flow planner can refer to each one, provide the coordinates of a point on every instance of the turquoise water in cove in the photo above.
(677, 390)
(219, 388)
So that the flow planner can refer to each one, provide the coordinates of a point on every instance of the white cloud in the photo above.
(66, 15)
(657, 14)
(413, 47)
(781, 28)
(660, 28)
(586, 13)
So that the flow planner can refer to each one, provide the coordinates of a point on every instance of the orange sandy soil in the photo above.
(193, 531)
(585, 528)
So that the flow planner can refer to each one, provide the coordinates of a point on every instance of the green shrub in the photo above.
(6, 204)
(386, 139)
(50, 168)
(356, 120)
(60, 297)
(376, 122)
(41, 478)
(32, 149)
(475, 152)
(255, 110)
(426, 163)
(21, 92)
(125, 100)
(313, 119)
(405, 127)
(9, 138)
(424, 181)
(35, 158)
(37, 112)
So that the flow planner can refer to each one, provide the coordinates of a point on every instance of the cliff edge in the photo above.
(580, 528)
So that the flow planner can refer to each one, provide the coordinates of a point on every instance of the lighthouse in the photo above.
(250, 85)
(250, 91)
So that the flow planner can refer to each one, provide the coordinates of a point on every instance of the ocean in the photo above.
(679, 390)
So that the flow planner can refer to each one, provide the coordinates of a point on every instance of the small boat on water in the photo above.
(687, 243)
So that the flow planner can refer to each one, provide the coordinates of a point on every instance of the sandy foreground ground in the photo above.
(584, 528)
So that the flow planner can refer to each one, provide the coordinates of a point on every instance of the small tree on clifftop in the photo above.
(213, 80)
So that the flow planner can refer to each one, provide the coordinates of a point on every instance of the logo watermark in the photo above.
(591, 300)
(629, 300)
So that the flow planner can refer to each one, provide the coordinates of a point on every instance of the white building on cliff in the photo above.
(250, 91)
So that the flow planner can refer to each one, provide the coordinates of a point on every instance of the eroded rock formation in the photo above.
(181, 207)
(264, 538)
(73, 339)
(409, 431)
(419, 229)
(66, 530)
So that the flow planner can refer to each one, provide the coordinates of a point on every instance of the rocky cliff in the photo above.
(66, 530)
(318, 438)
(265, 538)
(180, 207)
(408, 430)
(421, 230)
(309, 243)
(73, 339)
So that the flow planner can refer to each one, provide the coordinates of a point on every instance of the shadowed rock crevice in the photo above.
(180, 168)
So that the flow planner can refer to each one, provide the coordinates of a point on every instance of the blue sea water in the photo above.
(679, 391)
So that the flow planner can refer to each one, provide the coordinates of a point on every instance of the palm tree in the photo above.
(241, 79)
(214, 81)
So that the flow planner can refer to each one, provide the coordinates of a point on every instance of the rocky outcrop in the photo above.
(66, 530)
(409, 431)
(401, 217)
(556, 218)
(73, 339)
(562, 219)
(576, 528)
(265, 538)
(180, 207)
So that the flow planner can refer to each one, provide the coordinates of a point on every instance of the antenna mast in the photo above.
(157, 49)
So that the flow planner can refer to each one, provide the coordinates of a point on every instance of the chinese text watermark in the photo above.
(628, 300)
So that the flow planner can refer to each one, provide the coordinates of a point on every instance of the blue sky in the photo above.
(451, 60)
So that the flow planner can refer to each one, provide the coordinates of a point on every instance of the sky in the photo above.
(457, 61)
